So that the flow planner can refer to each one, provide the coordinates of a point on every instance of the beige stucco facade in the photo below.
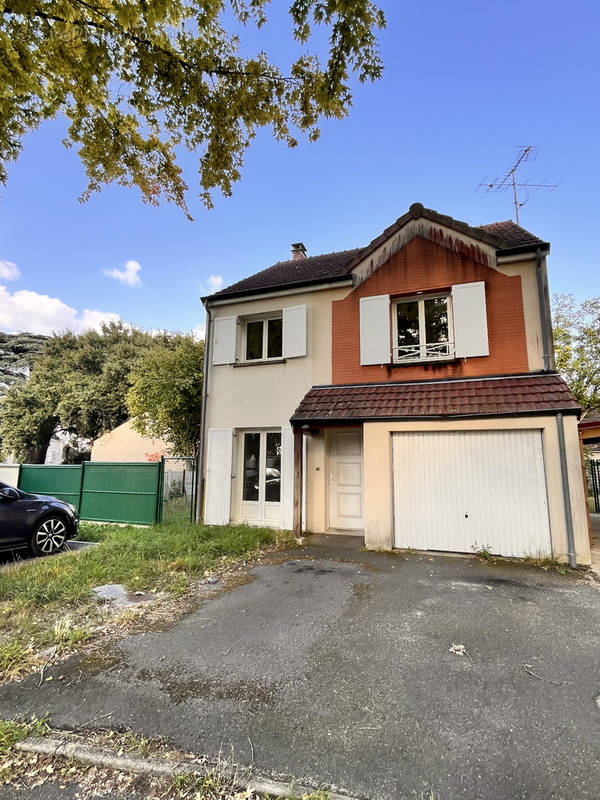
(377, 438)
(266, 394)
(125, 444)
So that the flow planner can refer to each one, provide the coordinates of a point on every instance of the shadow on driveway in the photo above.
(334, 664)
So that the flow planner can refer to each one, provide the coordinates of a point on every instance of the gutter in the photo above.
(300, 287)
(200, 479)
(544, 302)
(564, 471)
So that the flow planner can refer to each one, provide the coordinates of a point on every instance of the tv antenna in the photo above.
(526, 153)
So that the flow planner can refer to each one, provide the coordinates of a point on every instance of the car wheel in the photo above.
(49, 536)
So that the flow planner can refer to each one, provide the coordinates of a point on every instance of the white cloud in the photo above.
(128, 275)
(199, 332)
(9, 271)
(39, 313)
(215, 282)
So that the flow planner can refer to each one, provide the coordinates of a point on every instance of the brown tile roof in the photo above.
(304, 271)
(526, 394)
(513, 235)
(504, 236)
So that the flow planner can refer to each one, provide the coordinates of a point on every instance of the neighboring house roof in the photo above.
(527, 394)
(506, 237)
(589, 422)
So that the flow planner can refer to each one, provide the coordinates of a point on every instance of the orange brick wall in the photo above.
(426, 266)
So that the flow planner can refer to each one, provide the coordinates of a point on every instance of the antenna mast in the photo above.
(526, 153)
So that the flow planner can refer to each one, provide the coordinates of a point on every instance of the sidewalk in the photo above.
(595, 542)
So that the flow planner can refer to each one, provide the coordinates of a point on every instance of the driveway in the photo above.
(334, 664)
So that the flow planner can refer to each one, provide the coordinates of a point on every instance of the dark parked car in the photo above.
(34, 520)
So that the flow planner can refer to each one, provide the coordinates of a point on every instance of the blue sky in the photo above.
(464, 84)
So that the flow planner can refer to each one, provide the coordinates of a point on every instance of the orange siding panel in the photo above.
(424, 266)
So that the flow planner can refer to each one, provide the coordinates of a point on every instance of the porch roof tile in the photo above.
(499, 396)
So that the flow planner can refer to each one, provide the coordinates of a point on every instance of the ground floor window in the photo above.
(261, 480)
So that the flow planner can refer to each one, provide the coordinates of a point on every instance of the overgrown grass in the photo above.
(94, 532)
(13, 731)
(43, 602)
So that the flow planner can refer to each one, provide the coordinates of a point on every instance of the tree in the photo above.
(17, 354)
(78, 386)
(165, 399)
(138, 80)
(576, 331)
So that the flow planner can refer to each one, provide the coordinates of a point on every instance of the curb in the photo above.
(102, 757)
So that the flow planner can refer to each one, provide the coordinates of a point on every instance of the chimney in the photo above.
(298, 251)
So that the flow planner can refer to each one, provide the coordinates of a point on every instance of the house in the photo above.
(125, 444)
(404, 391)
(589, 433)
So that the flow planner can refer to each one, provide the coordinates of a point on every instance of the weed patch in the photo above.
(484, 553)
(13, 731)
(48, 602)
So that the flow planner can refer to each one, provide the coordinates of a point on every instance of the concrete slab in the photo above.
(335, 666)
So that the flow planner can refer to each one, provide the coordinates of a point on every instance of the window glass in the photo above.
(408, 323)
(273, 468)
(436, 320)
(274, 338)
(254, 340)
(251, 465)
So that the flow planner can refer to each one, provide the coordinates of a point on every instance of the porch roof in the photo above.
(481, 397)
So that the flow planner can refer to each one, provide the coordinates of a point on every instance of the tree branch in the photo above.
(142, 41)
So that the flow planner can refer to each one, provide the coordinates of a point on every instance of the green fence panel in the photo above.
(63, 482)
(121, 492)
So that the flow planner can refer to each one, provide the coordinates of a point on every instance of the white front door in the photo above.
(346, 505)
(464, 491)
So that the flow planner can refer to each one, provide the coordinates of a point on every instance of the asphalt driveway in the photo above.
(334, 665)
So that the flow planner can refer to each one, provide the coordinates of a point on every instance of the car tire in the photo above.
(49, 536)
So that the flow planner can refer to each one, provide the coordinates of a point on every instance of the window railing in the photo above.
(438, 351)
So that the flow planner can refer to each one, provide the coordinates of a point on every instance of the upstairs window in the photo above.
(264, 339)
(422, 329)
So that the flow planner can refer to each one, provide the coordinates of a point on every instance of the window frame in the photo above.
(264, 318)
(422, 358)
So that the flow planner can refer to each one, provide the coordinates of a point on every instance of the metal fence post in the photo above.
(81, 485)
(160, 490)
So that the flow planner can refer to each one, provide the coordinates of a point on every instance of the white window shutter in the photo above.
(217, 505)
(470, 320)
(294, 332)
(224, 340)
(287, 479)
(375, 329)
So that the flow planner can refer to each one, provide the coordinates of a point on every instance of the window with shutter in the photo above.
(375, 330)
(294, 332)
(470, 320)
(224, 340)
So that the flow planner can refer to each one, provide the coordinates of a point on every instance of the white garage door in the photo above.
(465, 490)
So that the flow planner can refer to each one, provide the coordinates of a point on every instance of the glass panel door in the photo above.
(251, 466)
(261, 477)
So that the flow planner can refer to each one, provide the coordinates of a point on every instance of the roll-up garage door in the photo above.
(462, 491)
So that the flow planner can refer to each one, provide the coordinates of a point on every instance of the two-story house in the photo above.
(404, 391)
